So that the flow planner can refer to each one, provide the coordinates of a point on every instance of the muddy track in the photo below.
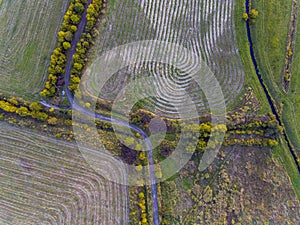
(290, 48)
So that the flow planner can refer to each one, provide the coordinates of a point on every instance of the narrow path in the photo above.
(268, 96)
(79, 108)
(290, 48)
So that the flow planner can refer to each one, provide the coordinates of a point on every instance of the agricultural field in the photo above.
(46, 181)
(27, 38)
(206, 28)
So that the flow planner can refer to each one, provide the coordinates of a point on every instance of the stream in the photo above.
(268, 96)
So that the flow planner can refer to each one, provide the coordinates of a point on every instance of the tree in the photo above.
(78, 66)
(141, 195)
(91, 10)
(245, 16)
(13, 101)
(73, 86)
(52, 121)
(40, 115)
(44, 93)
(253, 13)
(51, 69)
(76, 57)
(57, 51)
(73, 28)
(61, 34)
(68, 36)
(142, 156)
(139, 167)
(66, 45)
(51, 110)
(205, 128)
(86, 44)
(75, 79)
(129, 141)
(65, 26)
(75, 19)
(22, 111)
(95, 32)
(273, 143)
(35, 106)
(79, 8)
(58, 69)
(53, 59)
(47, 85)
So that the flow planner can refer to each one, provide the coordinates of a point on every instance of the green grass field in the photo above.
(270, 48)
(244, 51)
(27, 38)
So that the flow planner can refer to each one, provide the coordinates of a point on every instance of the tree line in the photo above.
(65, 35)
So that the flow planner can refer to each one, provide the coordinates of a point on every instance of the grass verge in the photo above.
(244, 51)
(282, 155)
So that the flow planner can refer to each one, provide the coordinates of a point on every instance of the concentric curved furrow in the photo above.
(45, 181)
(207, 29)
(27, 37)
(204, 27)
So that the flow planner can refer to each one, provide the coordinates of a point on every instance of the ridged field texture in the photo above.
(27, 38)
(46, 181)
(204, 27)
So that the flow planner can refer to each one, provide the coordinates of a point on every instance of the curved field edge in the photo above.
(38, 173)
(281, 152)
(27, 39)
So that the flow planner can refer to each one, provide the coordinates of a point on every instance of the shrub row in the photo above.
(12, 105)
(86, 41)
(142, 205)
(65, 36)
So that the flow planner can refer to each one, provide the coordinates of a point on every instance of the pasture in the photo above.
(27, 38)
